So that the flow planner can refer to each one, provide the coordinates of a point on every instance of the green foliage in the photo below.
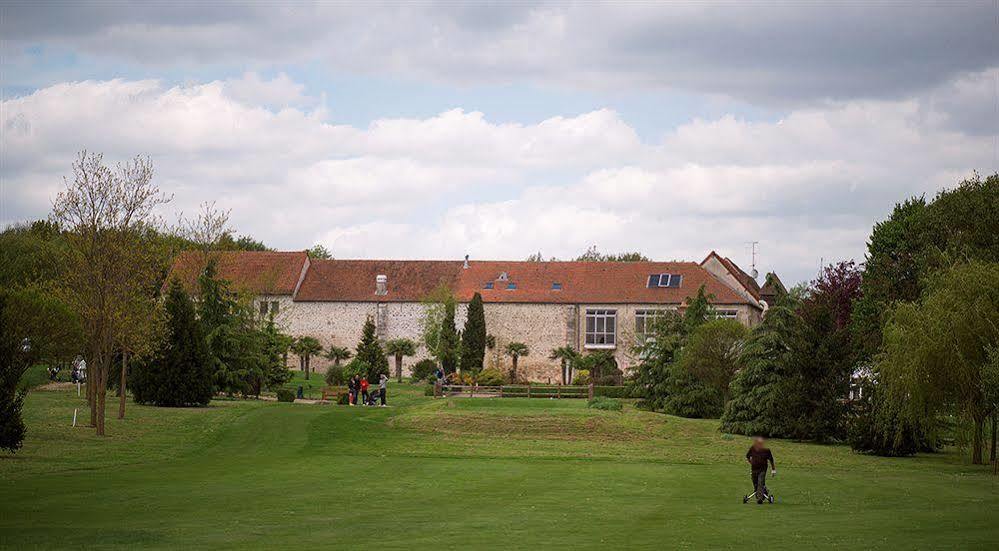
(605, 403)
(434, 307)
(180, 373)
(337, 354)
(602, 366)
(568, 358)
(357, 367)
(398, 348)
(938, 353)
(335, 375)
(755, 407)
(285, 395)
(866, 436)
(305, 348)
(619, 391)
(515, 350)
(490, 377)
(473, 337)
(593, 255)
(370, 353)
(424, 370)
(275, 347)
(447, 343)
(581, 377)
(319, 252)
(711, 358)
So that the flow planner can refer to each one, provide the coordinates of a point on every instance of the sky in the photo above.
(439, 129)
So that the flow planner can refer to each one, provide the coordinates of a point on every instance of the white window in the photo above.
(263, 308)
(726, 314)
(601, 328)
(645, 321)
(274, 307)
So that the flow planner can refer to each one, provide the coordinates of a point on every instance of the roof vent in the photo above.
(503, 276)
(381, 285)
(465, 265)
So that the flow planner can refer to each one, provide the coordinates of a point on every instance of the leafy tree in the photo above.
(400, 348)
(593, 255)
(305, 348)
(602, 366)
(567, 357)
(516, 350)
(424, 370)
(369, 352)
(699, 380)
(937, 353)
(337, 354)
(756, 404)
(473, 337)
(319, 252)
(34, 327)
(434, 308)
(447, 341)
(180, 373)
(276, 345)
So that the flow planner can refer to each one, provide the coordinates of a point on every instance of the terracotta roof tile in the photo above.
(581, 282)
(258, 272)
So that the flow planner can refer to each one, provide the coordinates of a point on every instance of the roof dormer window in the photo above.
(511, 286)
(489, 285)
(556, 286)
(672, 281)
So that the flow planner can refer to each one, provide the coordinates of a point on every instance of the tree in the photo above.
(109, 260)
(700, 379)
(337, 354)
(305, 348)
(319, 252)
(180, 372)
(755, 407)
(370, 353)
(447, 340)
(399, 348)
(434, 308)
(593, 255)
(276, 346)
(34, 327)
(567, 357)
(473, 337)
(937, 351)
(516, 350)
(602, 366)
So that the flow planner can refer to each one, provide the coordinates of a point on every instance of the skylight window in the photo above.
(511, 286)
(556, 286)
(672, 281)
(489, 285)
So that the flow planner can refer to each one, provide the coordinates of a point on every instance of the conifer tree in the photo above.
(473, 338)
(369, 351)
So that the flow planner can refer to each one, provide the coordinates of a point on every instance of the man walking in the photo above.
(382, 387)
(758, 456)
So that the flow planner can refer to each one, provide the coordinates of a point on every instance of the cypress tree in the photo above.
(369, 351)
(473, 338)
(180, 373)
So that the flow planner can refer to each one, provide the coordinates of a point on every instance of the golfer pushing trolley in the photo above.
(758, 456)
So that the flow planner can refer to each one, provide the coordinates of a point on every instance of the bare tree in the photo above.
(111, 269)
(206, 230)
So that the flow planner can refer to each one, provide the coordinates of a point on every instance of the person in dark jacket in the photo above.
(758, 456)
(352, 387)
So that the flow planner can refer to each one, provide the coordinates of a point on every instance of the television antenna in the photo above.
(753, 272)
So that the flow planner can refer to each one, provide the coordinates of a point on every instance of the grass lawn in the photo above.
(461, 473)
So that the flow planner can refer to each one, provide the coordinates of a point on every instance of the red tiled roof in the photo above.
(582, 282)
(744, 279)
(258, 272)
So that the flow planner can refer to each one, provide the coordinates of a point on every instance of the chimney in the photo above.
(465, 266)
(381, 285)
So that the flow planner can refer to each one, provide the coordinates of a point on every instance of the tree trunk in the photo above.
(121, 386)
(976, 442)
(102, 392)
(992, 456)
(398, 367)
(513, 373)
(307, 366)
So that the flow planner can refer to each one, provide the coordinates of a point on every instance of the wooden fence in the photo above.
(515, 391)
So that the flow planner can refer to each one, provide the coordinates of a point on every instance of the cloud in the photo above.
(782, 55)
(808, 186)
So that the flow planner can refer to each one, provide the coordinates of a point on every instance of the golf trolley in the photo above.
(767, 496)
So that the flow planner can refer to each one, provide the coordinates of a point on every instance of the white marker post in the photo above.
(74, 416)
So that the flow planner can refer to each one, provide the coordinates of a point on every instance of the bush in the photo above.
(356, 367)
(12, 428)
(605, 403)
(490, 377)
(335, 375)
(285, 395)
(581, 377)
(424, 370)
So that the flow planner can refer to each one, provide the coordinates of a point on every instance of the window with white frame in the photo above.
(645, 321)
(726, 314)
(601, 328)
(665, 280)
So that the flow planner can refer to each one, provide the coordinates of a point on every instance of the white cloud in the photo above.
(808, 187)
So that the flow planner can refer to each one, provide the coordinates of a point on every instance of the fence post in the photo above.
(528, 390)
(591, 390)
(558, 392)
(437, 389)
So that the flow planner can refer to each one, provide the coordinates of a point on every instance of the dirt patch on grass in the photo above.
(612, 427)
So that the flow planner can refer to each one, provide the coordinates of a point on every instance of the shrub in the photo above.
(612, 391)
(357, 367)
(424, 370)
(491, 377)
(12, 428)
(605, 403)
(582, 377)
(285, 395)
(335, 375)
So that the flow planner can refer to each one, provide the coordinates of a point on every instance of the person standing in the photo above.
(352, 390)
(364, 390)
(758, 456)
(382, 387)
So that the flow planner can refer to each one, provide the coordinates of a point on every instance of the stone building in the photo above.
(546, 305)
